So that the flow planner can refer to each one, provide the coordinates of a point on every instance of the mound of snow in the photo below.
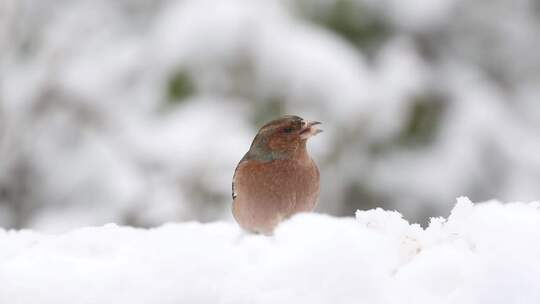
(483, 253)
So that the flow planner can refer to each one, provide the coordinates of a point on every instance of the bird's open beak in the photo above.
(309, 129)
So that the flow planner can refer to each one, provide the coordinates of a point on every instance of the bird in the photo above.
(276, 178)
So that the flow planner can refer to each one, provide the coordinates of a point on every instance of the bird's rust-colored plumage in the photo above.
(276, 178)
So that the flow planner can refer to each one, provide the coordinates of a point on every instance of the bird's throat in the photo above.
(261, 152)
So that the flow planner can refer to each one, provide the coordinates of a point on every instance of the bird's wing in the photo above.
(234, 194)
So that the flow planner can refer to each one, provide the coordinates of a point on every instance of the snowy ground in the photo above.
(483, 253)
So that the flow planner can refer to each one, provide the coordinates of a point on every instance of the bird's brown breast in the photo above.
(268, 192)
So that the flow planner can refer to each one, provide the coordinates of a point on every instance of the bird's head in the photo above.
(283, 138)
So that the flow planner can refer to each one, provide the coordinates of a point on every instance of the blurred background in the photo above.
(137, 112)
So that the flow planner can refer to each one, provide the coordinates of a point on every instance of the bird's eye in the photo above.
(288, 130)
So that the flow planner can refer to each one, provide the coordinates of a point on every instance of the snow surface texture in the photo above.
(483, 253)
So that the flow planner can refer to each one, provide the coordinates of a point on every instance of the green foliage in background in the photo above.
(425, 118)
(359, 24)
(179, 87)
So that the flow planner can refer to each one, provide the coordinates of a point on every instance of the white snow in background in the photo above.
(113, 60)
(483, 253)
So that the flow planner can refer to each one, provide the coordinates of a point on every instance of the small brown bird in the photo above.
(276, 178)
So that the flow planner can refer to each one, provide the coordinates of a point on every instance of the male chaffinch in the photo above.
(276, 178)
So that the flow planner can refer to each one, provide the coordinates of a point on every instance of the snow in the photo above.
(482, 253)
